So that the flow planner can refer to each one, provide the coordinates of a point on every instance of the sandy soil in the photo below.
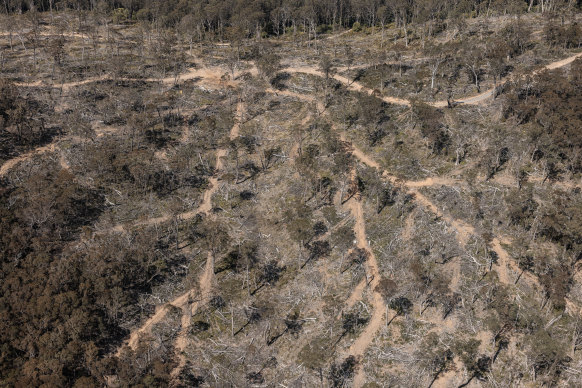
(14, 161)
(212, 76)
(434, 181)
(359, 346)
(472, 100)
(205, 283)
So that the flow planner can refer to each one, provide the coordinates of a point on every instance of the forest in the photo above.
(334, 193)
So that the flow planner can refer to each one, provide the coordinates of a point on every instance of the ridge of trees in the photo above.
(234, 19)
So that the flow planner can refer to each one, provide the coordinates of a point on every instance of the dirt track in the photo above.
(206, 280)
(471, 100)
(14, 161)
(463, 230)
(212, 76)
(359, 346)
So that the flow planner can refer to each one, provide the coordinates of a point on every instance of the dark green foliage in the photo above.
(431, 125)
(551, 106)
(522, 207)
(357, 257)
(83, 293)
(548, 356)
(341, 374)
(387, 288)
(268, 65)
(253, 315)
(269, 275)
(568, 36)
(243, 257)
(24, 121)
(372, 114)
(435, 356)
(401, 305)
(517, 37)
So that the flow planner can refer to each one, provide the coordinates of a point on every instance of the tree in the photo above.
(387, 288)
(327, 67)
(269, 275)
(437, 57)
(215, 237)
(402, 11)
(517, 36)
(431, 126)
(340, 374)
(350, 322)
(189, 27)
(349, 56)
(383, 15)
(56, 49)
(435, 356)
(34, 35)
(253, 314)
(496, 53)
(293, 325)
(268, 64)
(401, 305)
(317, 250)
(473, 59)
(358, 257)
(243, 257)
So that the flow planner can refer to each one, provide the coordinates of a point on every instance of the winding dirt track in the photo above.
(207, 278)
(434, 181)
(205, 286)
(205, 283)
(359, 346)
(464, 231)
(473, 100)
(213, 76)
(9, 164)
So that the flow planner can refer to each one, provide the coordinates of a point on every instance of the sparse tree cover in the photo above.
(290, 193)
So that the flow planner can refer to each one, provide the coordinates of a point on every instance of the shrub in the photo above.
(120, 15)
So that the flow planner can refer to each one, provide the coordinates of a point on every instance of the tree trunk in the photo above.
(382, 38)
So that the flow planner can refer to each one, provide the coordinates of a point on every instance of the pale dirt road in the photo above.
(205, 286)
(360, 345)
(160, 314)
(213, 77)
(434, 181)
(9, 164)
(356, 295)
(205, 282)
(472, 100)
(207, 279)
